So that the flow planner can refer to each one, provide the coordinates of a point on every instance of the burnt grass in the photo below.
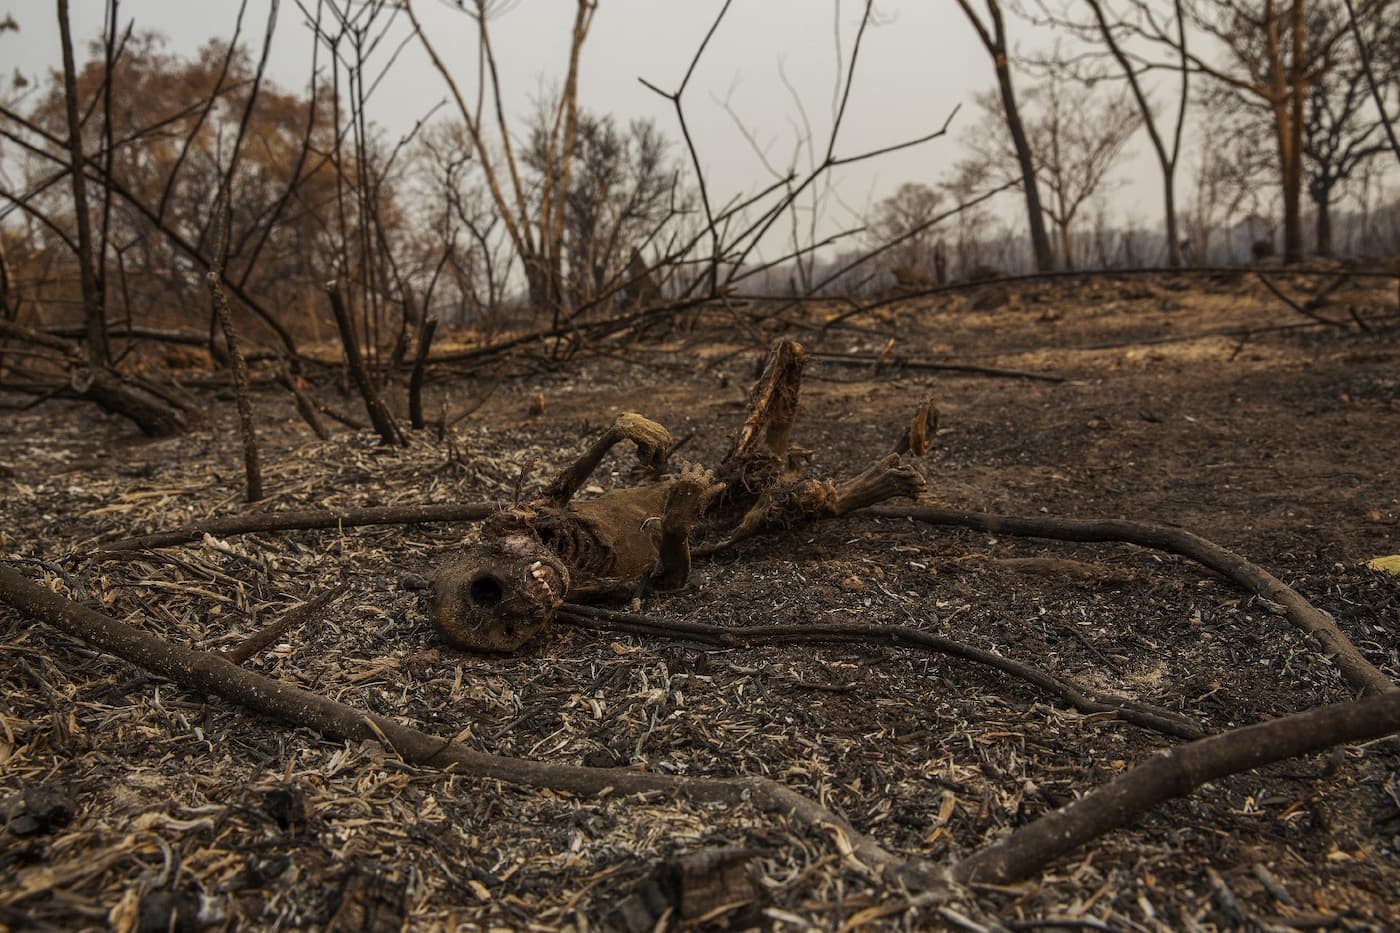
(127, 800)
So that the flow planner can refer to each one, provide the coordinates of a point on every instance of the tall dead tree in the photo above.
(88, 374)
(907, 215)
(1366, 57)
(1341, 129)
(992, 33)
(1077, 141)
(154, 136)
(1268, 49)
(618, 194)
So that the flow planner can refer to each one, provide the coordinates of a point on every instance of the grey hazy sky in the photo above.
(921, 61)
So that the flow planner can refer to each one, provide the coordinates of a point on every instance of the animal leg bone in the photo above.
(802, 502)
(653, 443)
(772, 404)
(686, 499)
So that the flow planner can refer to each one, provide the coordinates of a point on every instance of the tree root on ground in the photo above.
(1081, 698)
(1360, 674)
(1176, 773)
(214, 674)
(1363, 676)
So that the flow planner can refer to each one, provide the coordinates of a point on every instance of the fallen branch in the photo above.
(309, 519)
(1081, 698)
(16, 331)
(1243, 333)
(592, 329)
(899, 362)
(112, 392)
(1308, 308)
(305, 407)
(1106, 275)
(268, 634)
(1175, 773)
(187, 338)
(1362, 675)
(353, 424)
(215, 675)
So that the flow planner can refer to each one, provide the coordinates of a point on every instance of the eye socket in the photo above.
(485, 591)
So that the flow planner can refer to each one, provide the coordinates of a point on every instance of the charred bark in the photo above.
(154, 415)
(994, 41)
(379, 414)
(93, 311)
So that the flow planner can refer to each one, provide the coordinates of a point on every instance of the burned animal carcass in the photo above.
(536, 555)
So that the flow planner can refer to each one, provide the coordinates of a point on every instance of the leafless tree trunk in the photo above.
(1176, 773)
(1271, 56)
(1167, 158)
(994, 40)
(1368, 68)
(1291, 153)
(98, 353)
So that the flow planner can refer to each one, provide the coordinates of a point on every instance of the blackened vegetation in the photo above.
(933, 759)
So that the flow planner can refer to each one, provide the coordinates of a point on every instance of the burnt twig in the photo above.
(378, 412)
(265, 636)
(215, 675)
(251, 468)
(415, 381)
(898, 362)
(305, 407)
(1306, 309)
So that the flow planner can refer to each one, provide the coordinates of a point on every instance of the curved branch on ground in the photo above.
(1082, 698)
(1359, 673)
(1176, 773)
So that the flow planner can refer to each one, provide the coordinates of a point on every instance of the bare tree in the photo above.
(1374, 83)
(906, 216)
(93, 311)
(178, 120)
(459, 241)
(966, 179)
(537, 235)
(1230, 179)
(1342, 130)
(992, 33)
(1107, 27)
(1077, 139)
(618, 196)
(1270, 53)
